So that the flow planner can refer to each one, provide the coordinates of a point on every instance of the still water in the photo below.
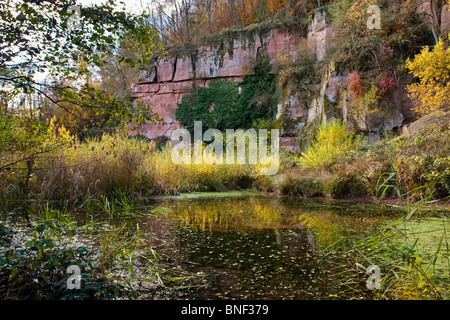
(255, 247)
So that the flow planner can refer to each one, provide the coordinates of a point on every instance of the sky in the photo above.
(134, 6)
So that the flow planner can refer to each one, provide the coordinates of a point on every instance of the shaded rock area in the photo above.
(419, 125)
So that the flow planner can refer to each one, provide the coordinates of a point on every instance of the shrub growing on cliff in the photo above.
(355, 47)
(256, 99)
(304, 71)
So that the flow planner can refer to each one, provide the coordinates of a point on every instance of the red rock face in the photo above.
(163, 89)
(425, 7)
(445, 19)
(161, 98)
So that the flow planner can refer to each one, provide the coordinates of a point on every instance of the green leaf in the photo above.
(48, 243)
(69, 254)
(82, 250)
(13, 277)
(30, 243)
(21, 17)
(40, 228)
(10, 256)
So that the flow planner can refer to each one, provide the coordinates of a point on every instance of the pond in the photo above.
(230, 245)
(248, 246)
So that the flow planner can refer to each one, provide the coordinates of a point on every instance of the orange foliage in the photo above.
(228, 13)
(354, 86)
(275, 5)
(247, 11)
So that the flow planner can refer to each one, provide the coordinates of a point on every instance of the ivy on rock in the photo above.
(229, 105)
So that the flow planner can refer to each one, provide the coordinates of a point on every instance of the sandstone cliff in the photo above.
(163, 85)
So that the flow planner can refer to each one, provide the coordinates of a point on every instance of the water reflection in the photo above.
(225, 214)
(258, 247)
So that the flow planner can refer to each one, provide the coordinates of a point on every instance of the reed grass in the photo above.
(109, 172)
(413, 254)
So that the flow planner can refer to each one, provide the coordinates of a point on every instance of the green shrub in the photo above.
(339, 187)
(304, 71)
(263, 183)
(308, 187)
(334, 187)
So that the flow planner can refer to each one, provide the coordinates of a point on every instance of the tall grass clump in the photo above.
(95, 168)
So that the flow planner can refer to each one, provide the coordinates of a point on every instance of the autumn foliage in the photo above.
(227, 13)
(355, 88)
(431, 94)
